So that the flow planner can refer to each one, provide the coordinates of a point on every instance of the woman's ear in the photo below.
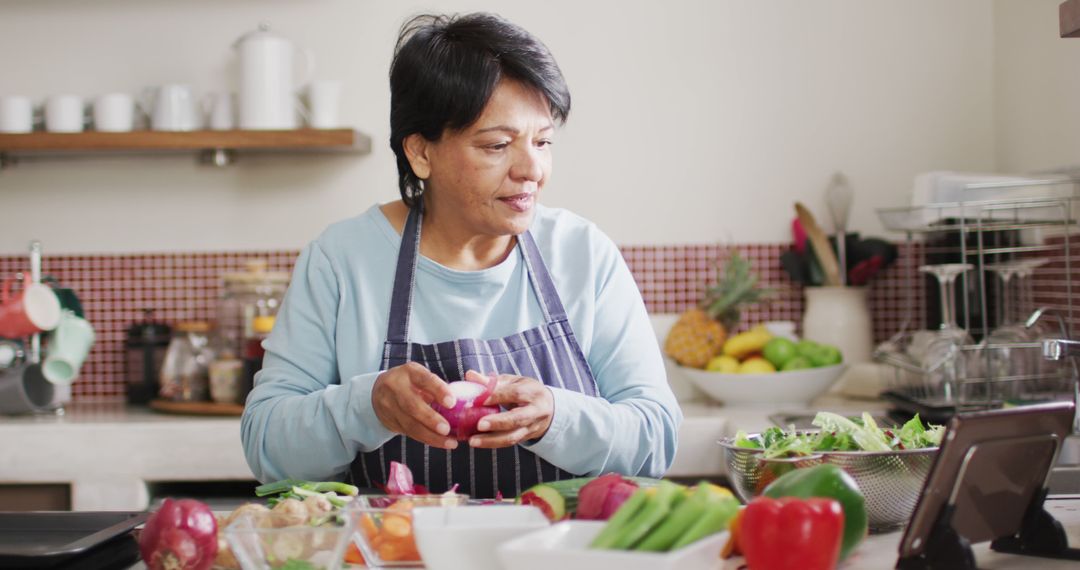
(416, 151)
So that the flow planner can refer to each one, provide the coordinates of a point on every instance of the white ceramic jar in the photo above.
(840, 316)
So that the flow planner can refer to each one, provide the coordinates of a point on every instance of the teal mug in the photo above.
(67, 349)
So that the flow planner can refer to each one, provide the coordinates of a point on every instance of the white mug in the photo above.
(172, 108)
(68, 347)
(16, 114)
(114, 113)
(222, 115)
(64, 114)
(324, 104)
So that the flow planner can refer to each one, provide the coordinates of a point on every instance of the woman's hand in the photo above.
(402, 398)
(529, 408)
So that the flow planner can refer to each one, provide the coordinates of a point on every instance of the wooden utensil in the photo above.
(821, 246)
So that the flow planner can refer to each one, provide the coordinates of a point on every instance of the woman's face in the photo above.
(486, 177)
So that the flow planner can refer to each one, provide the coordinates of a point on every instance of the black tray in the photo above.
(52, 539)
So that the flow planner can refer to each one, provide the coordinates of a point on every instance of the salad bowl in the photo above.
(890, 480)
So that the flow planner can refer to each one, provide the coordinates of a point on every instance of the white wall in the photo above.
(693, 120)
(1037, 83)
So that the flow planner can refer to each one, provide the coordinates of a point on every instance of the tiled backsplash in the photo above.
(114, 289)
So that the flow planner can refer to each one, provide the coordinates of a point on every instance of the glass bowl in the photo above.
(384, 526)
(271, 540)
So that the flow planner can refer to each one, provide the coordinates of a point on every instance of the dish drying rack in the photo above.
(1034, 220)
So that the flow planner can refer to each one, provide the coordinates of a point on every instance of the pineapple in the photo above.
(699, 334)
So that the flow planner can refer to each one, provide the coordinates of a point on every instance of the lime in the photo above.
(797, 363)
(723, 363)
(779, 350)
(805, 347)
(826, 355)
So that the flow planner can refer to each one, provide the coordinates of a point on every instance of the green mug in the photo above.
(68, 346)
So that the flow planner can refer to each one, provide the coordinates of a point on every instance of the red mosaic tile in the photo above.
(114, 289)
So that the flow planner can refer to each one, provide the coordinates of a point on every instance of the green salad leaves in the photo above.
(839, 433)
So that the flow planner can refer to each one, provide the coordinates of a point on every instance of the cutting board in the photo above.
(820, 243)
(197, 408)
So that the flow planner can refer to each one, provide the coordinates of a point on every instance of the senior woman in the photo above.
(467, 275)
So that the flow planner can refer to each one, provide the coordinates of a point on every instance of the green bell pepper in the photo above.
(829, 481)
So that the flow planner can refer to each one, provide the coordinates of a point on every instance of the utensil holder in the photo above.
(839, 316)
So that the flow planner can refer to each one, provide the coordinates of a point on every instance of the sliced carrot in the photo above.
(397, 526)
(367, 525)
(353, 555)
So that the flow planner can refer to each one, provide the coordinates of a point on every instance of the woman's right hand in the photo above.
(402, 398)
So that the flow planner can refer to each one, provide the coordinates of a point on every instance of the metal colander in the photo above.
(891, 481)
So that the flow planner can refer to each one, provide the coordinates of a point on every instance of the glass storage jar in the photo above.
(249, 302)
(185, 371)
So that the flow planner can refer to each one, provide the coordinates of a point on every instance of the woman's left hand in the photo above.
(529, 408)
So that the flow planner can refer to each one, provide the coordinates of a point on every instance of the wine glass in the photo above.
(943, 359)
(1004, 367)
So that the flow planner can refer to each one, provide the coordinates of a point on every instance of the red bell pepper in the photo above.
(791, 533)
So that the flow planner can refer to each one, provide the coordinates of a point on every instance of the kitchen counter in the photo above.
(109, 452)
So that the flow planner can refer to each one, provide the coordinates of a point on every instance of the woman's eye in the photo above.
(497, 146)
(543, 143)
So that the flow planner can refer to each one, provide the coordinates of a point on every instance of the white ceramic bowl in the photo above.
(466, 537)
(795, 387)
(564, 546)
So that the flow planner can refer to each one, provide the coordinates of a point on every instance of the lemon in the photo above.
(723, 363)
(756, 365)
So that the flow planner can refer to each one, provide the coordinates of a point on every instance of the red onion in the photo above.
(400, 481)
(469, 408)
(600, 498)
(181, 535)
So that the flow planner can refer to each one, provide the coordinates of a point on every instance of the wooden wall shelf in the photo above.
(217, 147)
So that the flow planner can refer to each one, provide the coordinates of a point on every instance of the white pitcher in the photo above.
(268, 92)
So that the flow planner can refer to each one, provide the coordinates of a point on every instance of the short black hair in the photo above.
(445, 69)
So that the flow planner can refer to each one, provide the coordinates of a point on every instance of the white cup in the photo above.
(324, 104)
(16, 114)
(64, 114)
(68, 347)
(114, 113)
(173, 108)
(222, 114)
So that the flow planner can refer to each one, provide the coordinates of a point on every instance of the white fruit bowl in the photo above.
(795, 387)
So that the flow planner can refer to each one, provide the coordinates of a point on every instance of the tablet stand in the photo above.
(1037, 532)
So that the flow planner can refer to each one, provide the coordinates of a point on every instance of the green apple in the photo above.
(797, 363)
(779, 350)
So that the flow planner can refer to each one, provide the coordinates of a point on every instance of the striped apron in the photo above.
(548, 353)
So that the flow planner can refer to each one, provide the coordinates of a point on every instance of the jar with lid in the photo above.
(249, 302)
(145, 346)
(185, 371)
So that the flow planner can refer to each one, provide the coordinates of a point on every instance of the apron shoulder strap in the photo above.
(541, 280)
(397, 329)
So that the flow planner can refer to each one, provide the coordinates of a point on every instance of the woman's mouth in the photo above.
(519, 202)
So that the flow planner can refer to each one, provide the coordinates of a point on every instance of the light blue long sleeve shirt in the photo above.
(310, 412)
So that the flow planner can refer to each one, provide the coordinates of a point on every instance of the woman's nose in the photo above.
(528, 165)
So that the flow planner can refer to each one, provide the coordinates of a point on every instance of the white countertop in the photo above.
(108, 452)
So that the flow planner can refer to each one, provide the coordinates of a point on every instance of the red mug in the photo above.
(33, 310)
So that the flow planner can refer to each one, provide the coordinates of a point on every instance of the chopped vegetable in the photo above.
(601, 497)
(400, 481)
(839, 433)
(389, 534)
(180, 535)
(560, 499)
(667, 517)
(826, 480)
(792, 533)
